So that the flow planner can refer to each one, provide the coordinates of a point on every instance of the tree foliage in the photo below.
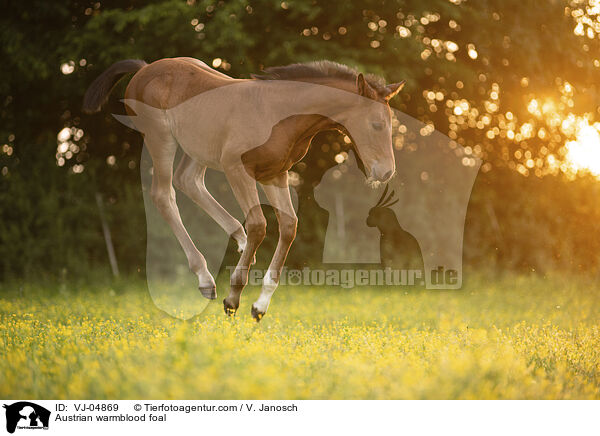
(472, 70)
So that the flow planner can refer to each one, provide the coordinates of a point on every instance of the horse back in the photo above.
(166, 83)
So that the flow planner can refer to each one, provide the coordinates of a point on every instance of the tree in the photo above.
(473, 70)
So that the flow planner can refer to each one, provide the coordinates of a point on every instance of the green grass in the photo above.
(498, 337)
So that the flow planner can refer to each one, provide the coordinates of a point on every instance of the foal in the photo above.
(252, 130)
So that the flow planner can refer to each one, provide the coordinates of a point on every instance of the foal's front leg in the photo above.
(244, 189)
(278, 193)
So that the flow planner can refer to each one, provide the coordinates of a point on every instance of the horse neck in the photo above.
(308, 126)
(318, 96)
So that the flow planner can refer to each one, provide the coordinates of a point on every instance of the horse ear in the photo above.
(393, 89)
(364, 89)
(361, 85)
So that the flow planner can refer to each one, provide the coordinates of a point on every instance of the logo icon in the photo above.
(26, 415)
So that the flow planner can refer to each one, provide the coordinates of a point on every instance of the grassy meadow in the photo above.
(503, 337)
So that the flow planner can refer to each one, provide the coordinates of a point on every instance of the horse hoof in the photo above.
(256, 314)
(229, 309)
(210, 292)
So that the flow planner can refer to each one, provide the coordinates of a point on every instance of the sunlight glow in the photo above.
(584, 152)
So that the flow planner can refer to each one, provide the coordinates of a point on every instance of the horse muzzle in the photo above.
(381, 174)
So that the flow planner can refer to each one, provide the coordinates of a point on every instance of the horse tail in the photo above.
(98, 92)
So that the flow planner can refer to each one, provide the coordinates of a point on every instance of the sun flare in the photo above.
(583, 153)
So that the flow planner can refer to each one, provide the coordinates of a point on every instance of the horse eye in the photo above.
(378, 126)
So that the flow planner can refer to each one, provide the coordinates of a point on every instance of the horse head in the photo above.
(369, 124)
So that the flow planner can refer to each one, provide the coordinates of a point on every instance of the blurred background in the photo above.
(510, 81)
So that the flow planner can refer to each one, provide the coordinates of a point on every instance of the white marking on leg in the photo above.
(268, 288)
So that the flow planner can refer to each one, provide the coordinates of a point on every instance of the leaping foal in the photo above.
(252, 130)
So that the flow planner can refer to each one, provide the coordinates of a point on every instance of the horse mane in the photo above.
(320, 69)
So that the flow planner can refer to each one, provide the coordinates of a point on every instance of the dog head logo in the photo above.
(26, 415)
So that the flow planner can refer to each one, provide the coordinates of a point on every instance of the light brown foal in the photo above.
(252, 130)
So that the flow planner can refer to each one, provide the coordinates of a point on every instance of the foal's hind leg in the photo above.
(244, 189)
(189, 179)
(278, 194)
(162, 147)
